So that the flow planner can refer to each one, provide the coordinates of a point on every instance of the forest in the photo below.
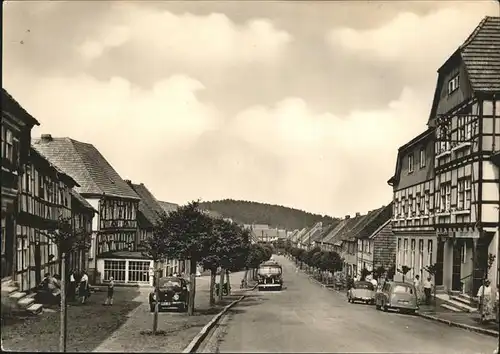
(248, 212)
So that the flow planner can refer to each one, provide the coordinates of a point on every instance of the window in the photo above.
(115, 269)
(445, 200)
(427, 203)
(467, 188)
(468, 128)
(422, 157)
(460, 195)
(8, 144)
(453, 84)
(412, 259)
(464, 253)
(429, 252)
(402, 289)
(421, 256)
(138, 271)
(405, 251)
(399, 250)
(410, 163)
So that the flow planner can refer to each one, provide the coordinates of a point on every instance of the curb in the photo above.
(198, 339)
(484, 331)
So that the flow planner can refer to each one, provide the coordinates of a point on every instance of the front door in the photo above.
(7, 244)
(438, 278)
(457, 266)
(38, 262)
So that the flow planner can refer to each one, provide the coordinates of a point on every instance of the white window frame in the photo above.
(411, 163)
(138, 274)
(429, 252)
(460, 194)
(422, 157)
(421, 255)
(453, 84)
(468, 193)
(464, 253)
(115, 268)
(405, 252)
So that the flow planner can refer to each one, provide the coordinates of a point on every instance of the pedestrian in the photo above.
(72, 285)
(416, 283)
(486, 304)
(374, 282)
(83, 289)
(111, 287)
(428, 290)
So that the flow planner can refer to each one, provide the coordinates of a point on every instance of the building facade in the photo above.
(44, 198)
(82, 214)
(16, 139)
(414, 208)
(114, 230)
(466, 116)
(378, 249)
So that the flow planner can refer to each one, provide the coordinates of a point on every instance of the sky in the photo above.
(302, 104)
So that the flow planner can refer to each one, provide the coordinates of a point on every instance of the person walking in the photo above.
(111, 289)
(486, 302)
(72, 286)
(428, 290)
(416, 283)
(83, 289)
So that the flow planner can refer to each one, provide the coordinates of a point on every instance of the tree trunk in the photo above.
(221, 284)
(213, 275)
(157, 297)
(228, 283)
(192, 289)
(63, 325)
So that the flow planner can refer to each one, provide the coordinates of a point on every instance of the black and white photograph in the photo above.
(250, 176)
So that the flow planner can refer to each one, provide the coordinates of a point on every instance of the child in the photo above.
(111, 286)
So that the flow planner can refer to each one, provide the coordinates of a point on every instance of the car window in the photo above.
(402, 289)
(363, 285)
(269, 270)
(172, 282)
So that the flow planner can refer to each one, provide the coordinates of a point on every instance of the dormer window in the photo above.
(410, 163)
(453, 84)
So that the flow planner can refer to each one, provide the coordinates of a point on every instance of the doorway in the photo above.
(457, 265)
(438, 278)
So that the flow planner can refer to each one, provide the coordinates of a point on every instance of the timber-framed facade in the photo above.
(466, 117)
(16, 137)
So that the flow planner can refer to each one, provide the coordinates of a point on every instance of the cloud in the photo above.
(183, 148)
(187, 37)
(412, 38)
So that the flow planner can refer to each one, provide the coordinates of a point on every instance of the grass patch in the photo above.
(88, 325)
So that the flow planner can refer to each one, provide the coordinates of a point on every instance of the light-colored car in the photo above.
(363, 291)
(397, 295)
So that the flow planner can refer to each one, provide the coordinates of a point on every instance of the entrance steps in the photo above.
(19, 300)
(458, 303)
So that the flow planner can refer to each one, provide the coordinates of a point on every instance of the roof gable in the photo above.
(85, 164)
(148, 205)
(82, 201)
(373, 221)
(168, 207)
(10, 105)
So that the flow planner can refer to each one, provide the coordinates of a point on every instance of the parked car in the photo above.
(361, 291)
(173, 292)
(397, 295)
(270, 276)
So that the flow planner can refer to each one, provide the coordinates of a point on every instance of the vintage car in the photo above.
(397, 295)
(270, 276)
(363, 291)
(173, 292)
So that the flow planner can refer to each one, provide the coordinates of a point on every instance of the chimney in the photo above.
(46, 138)
(358, 214)
(347, 217)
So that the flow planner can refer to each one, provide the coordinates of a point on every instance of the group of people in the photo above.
(49, 289)
(424, 289)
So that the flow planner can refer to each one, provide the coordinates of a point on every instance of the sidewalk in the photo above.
(177, 329)
(464, 320)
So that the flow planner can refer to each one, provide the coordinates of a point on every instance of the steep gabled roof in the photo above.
(348, 224)
(38, 158)
(82, 201)
(168, 207)
(331, 234)
(12, 107)
(373, 221)
(380, 228)
(86, 165)
(313, 230)
(148, 205)
(481, 56)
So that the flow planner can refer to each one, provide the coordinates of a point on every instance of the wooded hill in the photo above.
(260, 213)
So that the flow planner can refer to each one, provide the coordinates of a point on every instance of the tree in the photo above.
(67, 239)
(188, 233)
(330, 261)
(404, 270)
(364, 273)
(391, 271)
(155, 248)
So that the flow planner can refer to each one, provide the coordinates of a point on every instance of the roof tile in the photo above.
(86, 165)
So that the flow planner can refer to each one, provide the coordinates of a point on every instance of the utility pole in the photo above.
(63, 324)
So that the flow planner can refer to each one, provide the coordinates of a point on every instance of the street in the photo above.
(305, 317)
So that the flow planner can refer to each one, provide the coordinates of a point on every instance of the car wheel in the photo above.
(384, 307)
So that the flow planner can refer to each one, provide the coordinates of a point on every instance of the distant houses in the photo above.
(264, 233)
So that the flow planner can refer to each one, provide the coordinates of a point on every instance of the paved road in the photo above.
(308, 318)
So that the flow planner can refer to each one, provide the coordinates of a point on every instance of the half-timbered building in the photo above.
(16, 140)
(44, 198)
(413, 208)
(466, 116)
(114, 230)
(82, 215)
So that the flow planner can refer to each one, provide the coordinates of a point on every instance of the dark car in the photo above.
(173, 292)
